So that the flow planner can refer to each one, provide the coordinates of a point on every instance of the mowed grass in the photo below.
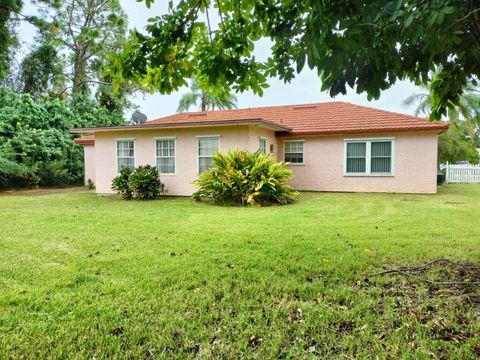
(85, 276)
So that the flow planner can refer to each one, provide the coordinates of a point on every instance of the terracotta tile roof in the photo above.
(85, 140)
(327, 118)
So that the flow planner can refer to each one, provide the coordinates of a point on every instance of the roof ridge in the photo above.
(187, 113)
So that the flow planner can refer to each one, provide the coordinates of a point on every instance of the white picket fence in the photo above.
(462, 174)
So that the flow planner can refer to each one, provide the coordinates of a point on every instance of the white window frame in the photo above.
(296, 140)
(198, 147)
(116, 152)
(368, 156)
(264, 140)
(155, 139)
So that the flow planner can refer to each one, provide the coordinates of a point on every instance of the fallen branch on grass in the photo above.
(407, 271)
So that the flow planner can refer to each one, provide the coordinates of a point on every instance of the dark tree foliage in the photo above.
(456, 144)
(86, 30)
(40, 69)
(7, 9)
(35, 135)
(366, 45)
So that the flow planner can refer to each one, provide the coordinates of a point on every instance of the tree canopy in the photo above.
(35, 136)
(59, 84)
(365, 45)
(456, 145)
(7, 36)
(466, 111)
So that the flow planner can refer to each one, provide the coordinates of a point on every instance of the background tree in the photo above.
(61, 85)
(41, 71)
(456, 145)
(459, 142)
(465, 110)
(206, 99)
(8, 8)
(86, 30)
(35, 137)
(366, 45)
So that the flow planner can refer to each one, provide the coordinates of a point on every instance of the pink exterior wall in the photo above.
(415, 159)
(89, 163)
(255, 133)
(242, 137)
(415, 165)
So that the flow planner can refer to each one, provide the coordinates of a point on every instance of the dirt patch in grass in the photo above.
(43, 191)
(442, 297)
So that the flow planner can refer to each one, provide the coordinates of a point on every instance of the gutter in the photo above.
(176, 125)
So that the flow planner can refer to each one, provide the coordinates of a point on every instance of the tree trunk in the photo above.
(80, 85)
(203, 102)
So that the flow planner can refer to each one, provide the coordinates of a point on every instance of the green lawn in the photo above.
(85, 276)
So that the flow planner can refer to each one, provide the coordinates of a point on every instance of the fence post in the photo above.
(446, 173)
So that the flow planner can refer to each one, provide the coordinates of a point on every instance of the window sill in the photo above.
(167, 174)
(296, 164)
(370, 175)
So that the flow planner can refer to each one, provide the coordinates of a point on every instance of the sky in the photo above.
(305, 88)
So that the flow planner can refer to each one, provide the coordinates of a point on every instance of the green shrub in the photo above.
(90, 184)
(15, 176)
(245, 178)
(145, 183)
(54, 173)
(121, 184)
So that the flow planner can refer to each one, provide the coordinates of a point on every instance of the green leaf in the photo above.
(409, 20)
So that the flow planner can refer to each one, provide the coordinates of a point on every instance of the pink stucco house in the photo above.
(333, 146)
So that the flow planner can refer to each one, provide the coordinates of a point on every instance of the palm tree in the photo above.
(467, 110)
(207, 100)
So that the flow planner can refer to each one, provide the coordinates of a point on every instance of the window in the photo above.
(381, 157)
(262, 145)
(166, 156)
(356, 157)
(125, 154)
(207, 146)
(293, 151)
(369, 157)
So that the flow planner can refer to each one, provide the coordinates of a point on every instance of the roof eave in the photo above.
(437, 130)
(237, 122)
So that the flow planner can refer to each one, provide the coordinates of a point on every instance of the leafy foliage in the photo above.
(86, 30)
(41, 69)
(459, 142)
(143, 183)
(245, 178)
(35, 134)
(208, 99)
(121, 183)
(364, 45)
(7, 37)
(14, 175)
(455, 145)
(466, 111)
